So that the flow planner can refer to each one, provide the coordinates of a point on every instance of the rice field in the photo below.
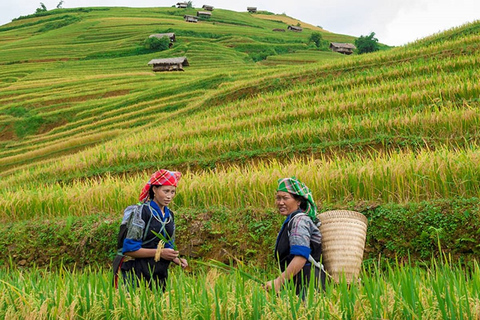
(390, 178)
(84, 122)
(439, 290)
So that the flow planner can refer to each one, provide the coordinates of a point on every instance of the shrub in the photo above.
(28, 126)
(157, 44)
(317, 39)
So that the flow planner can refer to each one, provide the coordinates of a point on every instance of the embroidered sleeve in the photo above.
(299, 238)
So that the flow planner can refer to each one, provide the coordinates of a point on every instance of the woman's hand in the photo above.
(181, 262)
(273, 284)
(294, 267)
(169, 254)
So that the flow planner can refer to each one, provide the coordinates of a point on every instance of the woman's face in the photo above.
(286, 203)
(163, 195)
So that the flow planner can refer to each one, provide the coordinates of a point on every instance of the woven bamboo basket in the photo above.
(343, 241)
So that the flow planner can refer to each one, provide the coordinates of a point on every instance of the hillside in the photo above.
(84, 121)
(60, 67)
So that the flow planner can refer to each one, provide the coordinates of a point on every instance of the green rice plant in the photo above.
(395, 291)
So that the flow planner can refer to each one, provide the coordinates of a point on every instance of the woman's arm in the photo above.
(167, 253)
(293, 268)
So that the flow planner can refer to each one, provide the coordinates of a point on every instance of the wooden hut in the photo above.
(345, 48)
(189, 18)
(295, 28)
(182, 5)
(169, 64)
(252, 9)
(170, 35)
(204, 14)
(207, 7)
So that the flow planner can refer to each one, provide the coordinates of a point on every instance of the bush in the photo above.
(28, 126)
(416, 229)
(317, 39)
(157, 44)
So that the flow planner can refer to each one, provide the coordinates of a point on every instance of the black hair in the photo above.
(151, 195)
(303, 201)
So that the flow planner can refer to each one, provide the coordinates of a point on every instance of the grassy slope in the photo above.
(94, 69)
(79, 101)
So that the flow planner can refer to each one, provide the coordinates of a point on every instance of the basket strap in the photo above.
(310, 258)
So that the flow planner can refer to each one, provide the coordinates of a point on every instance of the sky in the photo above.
(395, 22)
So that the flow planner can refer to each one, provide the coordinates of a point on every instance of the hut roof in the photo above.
(342, 45)
(169, 61)
(295, 28)
(207, 7)
(171, 35)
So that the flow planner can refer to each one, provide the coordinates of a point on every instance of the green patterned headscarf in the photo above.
(295, 186)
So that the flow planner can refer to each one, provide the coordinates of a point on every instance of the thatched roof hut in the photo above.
(170, 35)
(189, 18)
(295, 28)
(207, 7)
(182, 5)
(169, 64)
(205, 14)
(252, 9)
(345, 48)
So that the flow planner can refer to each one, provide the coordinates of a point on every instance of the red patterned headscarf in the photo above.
(160, 178)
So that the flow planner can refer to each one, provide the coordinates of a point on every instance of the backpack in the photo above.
(128, 214)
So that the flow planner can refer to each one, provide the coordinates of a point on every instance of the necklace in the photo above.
(156, 215)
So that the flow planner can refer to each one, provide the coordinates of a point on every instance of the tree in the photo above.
(316, 37)
(189, 4)
(366, 44)
(60, 4)
(42, 8)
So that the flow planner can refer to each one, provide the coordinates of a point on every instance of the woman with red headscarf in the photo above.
(145, 259)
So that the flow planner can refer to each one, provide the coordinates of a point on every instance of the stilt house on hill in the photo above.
(207, 7)
(169, 64)
(295, 28)
(189, 18)
(252, 9)
(182, 5)
(345, 48)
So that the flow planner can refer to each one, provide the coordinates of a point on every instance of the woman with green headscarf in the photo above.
(298, 246)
